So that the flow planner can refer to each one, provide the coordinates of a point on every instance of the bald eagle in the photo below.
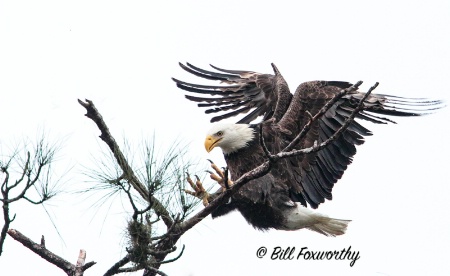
(280, 198)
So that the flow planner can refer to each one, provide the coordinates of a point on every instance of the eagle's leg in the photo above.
(221, 176)
(199, 191)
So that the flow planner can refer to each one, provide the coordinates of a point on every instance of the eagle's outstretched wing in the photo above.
(310, 178)
(243, 92)
(314, 175)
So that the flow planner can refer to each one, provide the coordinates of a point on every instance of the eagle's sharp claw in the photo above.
(218, 175)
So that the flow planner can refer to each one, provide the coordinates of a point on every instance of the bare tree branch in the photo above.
(115, 268)
(94, 115)
(130, 269)
(7, 221)
(67, 267)
(155, 271)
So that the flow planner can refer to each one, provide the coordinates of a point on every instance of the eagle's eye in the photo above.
(219, 133)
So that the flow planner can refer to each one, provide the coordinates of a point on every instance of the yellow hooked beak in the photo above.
(211, 142)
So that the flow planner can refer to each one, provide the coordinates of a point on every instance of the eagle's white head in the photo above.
(229, 137)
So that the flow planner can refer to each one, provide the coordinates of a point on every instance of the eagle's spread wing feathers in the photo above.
(316, 173)
(243, 92)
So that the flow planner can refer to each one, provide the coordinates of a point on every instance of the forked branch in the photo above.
(67, 267)
(35, 171)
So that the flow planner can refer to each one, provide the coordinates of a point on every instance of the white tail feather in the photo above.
(302, 217)
(330, 226)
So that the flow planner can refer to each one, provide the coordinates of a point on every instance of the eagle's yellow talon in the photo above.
(197, 186)
(219, 177)
(198, 189)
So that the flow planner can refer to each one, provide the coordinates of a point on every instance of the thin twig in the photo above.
(24, 171)
(36, 202)
(136, 212)
(174, 259)
(262, 142)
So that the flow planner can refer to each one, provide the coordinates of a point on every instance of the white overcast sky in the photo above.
(121, 55)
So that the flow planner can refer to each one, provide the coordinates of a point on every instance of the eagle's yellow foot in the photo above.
(199, 192)
(221, 176)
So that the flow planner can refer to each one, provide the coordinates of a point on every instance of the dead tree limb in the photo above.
(69, 268)
(116, 267)
(157, 206)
